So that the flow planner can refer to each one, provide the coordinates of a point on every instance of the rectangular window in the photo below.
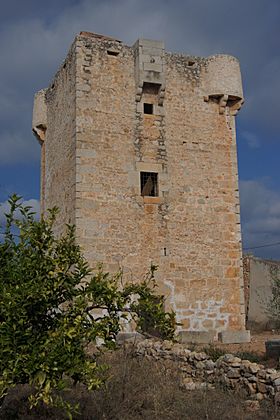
(148, 108)
(149, 184)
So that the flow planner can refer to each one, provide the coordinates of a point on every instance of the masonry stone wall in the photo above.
(199, 371)
(98, 142)
(259, 277)
(58, 169)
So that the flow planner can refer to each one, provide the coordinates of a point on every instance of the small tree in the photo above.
(148, 308)
(52, 307)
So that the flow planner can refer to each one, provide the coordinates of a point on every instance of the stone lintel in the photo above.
(198, 337)
(234, 337)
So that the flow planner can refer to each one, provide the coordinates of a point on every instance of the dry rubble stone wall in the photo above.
(199, 371)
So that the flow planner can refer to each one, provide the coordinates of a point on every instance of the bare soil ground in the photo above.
(257, 344)
(254, 351)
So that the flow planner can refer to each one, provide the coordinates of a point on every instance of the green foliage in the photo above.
(52, 307)
(148, 308)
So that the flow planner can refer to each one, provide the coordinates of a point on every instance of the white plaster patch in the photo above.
(202, 315)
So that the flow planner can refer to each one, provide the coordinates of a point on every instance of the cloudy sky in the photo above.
(36, 34)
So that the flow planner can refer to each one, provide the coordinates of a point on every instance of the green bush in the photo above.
(53, 307)
(148, 308)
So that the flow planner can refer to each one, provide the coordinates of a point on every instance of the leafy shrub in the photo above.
(53, 307)
(148, 308)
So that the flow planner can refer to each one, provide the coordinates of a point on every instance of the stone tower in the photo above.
(139, 151)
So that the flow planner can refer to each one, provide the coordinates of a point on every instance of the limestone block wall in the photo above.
(99, 139)
(59, 148)
(107, 214)
(204, 231)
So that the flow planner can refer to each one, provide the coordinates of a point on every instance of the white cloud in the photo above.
(260, 216)
(5, 208)
(252, 140)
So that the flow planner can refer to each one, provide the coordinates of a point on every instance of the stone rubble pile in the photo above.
(199, 371)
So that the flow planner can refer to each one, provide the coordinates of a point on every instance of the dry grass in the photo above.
(139, 389)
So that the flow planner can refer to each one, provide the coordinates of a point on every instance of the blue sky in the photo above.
(35, 37)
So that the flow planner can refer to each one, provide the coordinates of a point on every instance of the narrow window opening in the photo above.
(148, 108)
(149, 184)
(164, 252)
(114, 53)
(191, 63)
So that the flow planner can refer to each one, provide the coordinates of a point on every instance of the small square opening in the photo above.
(191, 63)
(149, 184)
(112, 52)
(148, 108)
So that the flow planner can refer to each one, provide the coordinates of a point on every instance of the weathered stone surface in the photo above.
(251, 387)
(167, 345)
(272, 375)
(199, 337)
(262, 387)
(258, 396)
(98, 141)
(276, 382)
(254, 367)
(190, 385)
(262, 374)
(209, 365)
(233, 374)
(252, 405)
(228, 337)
